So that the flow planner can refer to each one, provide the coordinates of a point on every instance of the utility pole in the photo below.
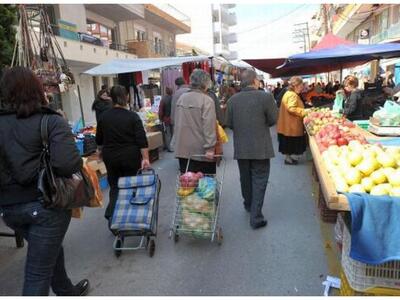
(301, 35)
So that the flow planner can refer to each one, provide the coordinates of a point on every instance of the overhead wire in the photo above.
(269, 23)
(274, 20)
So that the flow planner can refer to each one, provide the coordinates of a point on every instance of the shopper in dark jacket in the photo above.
(124, 141)
(217, 103)
(353, 97)
(251, 113)
(164, 114)
(102, 103)
(22, 108)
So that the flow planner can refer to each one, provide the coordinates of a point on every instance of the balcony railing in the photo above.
(379, 37)
(177, 14)
(146, 49)
(394, 31)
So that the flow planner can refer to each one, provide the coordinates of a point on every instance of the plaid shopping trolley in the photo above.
(136, 210)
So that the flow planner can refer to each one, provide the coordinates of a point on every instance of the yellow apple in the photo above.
(395, 192)
(379, 190)
(378, 177)
(393, 151)
(369, 153)
(394, 178)
(387, 171)
(352, 176)
(344, 166)
(386, 160)
(341, 185)
(367, 166)
(354, 158)
(367, 183)
(357, 188)
(353, 145)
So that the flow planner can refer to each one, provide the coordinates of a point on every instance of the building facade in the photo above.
(211, 30)
(92, 34)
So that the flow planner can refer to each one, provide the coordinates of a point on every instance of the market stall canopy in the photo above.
(270, 65)
(267, 65)
(329, 41)
(339, 57)
(120, 66)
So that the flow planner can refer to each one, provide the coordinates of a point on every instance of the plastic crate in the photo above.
(327, 215)
(362, 124)
(347, 290)
(363, 277)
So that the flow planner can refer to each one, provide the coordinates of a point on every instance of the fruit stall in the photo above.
(345, 162)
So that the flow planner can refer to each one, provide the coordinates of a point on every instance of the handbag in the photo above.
(61, 192)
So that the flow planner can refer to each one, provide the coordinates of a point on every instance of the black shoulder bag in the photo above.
(61, 192)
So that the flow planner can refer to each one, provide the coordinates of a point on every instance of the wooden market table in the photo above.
(333, 200)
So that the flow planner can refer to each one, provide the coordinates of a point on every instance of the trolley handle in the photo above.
(200, 156)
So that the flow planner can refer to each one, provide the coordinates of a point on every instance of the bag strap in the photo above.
(44, 133)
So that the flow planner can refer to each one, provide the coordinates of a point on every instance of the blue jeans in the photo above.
(44, 230)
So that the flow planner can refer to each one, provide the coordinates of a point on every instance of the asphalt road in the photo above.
(288, 257)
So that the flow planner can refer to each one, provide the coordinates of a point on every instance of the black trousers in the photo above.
(118, 166)
(254, 175)
(198, 166)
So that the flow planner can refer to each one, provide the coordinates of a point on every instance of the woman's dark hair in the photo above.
(118, 95)
(21, 91)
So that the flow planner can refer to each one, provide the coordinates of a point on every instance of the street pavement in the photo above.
(288, 257)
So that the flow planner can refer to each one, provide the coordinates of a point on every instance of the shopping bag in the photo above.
(97, 200)
(222, 136)
(338, 103)
(136, 199)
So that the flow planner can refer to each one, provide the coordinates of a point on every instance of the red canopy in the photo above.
(329, 41)
(267, 65)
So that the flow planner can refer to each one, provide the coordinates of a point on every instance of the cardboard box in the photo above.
(154, 140)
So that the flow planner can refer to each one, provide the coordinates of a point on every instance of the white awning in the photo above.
(119, 66)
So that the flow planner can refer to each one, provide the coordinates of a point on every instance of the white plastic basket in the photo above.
(363, 276)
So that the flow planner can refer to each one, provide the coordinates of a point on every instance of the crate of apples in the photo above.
(336, 135)
(364, 168)
(316, 120)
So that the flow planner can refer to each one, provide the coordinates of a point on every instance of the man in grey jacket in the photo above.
(251, 113)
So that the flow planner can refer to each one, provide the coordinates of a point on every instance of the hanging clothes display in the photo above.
(145, 76)
(138, 76)
(168, 77)
(187, 68)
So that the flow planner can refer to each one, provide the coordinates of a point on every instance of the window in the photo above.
(140, 35)
(382, 21)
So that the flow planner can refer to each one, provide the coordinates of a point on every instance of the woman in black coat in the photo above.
(353, 106)
(121, 134)
(22, 106)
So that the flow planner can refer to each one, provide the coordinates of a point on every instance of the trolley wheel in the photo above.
(19, 240)
(176, 238)
(152, 248)
(118, 244)
(219, 236)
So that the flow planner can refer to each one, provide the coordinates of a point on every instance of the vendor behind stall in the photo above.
(352, 107)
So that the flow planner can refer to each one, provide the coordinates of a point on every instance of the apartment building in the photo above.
(92, 34)
(211, 28)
